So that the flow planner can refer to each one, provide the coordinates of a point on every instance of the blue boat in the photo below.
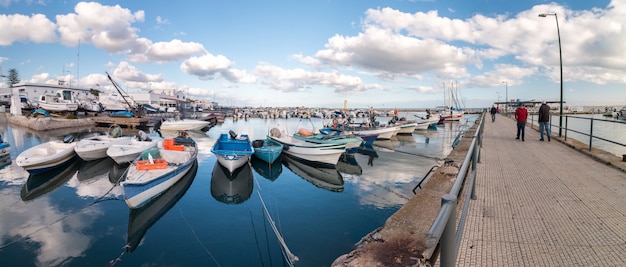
(267, 149)
(121, 114)
(41, 112)
(233, 151)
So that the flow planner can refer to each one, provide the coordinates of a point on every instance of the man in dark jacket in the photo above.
(493, 112)
(544, 120)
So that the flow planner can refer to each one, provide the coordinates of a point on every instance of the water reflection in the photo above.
(368, 150)
(347, 164)
(117, 171)
(269, 171)
(42, 183)
(141, 219)
(322, 176)
(232, 188)
(94, 168)
(5, 160)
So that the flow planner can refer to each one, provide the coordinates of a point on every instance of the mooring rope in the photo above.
(197, 238)
(290, 257)
(256, 239)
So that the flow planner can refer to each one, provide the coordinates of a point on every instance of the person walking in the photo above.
(544, 120)
(493, 112)
(521, 114)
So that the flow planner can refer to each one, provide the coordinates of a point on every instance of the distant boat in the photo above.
(184, 125)
(157, 169)
(232, 151)
(141, 219)
(267, 149)
(231, 187)
(46, 156)
(121, 114)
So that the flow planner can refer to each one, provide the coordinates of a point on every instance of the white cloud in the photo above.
(36, 28)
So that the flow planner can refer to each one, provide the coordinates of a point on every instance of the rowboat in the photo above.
(46, 156)
(312, 152)
(157, 169)
(232, 151)
(96, 147)
(267, 149)
(125, 152)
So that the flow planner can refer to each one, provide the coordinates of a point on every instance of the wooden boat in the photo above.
(232, 151)
(312, 152)
(129, 150)
(349, 140)
(96, 147)
(142, 182)
(45, 182)
(231, 187)
(46, 156)
(267, 149)
(141, 219)
(322, 176)
(184, 125)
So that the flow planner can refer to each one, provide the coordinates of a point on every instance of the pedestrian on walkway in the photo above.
(493, 112)
(521, 114)
(544, 120)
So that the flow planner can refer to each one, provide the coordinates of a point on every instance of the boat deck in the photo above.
(543, 204)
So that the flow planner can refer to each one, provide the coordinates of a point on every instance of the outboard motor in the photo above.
(68, 139)
(232, 134)
(143, 136)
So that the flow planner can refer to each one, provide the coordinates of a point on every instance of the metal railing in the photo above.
(590, 134)
(444, 231)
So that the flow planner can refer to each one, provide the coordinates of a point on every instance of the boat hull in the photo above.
(233, 153)
(46, 156)
(267, 150)
(321, 153)
(127, 152)
(96, 147)
(184, 125)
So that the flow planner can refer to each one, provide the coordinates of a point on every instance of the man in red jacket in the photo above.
(521, 114)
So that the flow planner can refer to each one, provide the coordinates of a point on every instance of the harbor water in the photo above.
(75, 216)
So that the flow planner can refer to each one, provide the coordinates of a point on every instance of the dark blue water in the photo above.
(75, 216)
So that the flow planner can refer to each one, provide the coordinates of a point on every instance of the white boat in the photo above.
(232, 151)
(383, 132)
(96, 147)
(130, 150)
(46, 156)
(59, 102)
(156, 170)
(312, 152)
(184, 125)
(406, 127)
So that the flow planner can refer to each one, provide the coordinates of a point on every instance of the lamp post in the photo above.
(558, 32)
(506, 97)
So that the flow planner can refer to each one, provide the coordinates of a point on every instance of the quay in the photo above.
(537, 204)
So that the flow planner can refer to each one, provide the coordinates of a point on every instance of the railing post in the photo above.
(590, 133)
(566, 117)
(447, 241)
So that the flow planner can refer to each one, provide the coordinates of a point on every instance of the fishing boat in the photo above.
(382, 132)
(141, 219)
(184, 125)
(312, 152)
(231, 187)
(45, 182)
(267, 149)
(350, 141)
(232, 151)
(322, 176)
(5, 147)
(96, 147)
(46, 156)
(127, 151)
(157, 169)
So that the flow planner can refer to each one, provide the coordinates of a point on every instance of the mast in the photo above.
(121, 92)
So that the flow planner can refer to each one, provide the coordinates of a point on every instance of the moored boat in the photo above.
(232, 151)
(267, 149)
(184, 125)
(349, 140)
(126, 152)
(312, 152)
(46, 156)
(157, 169)
(96, 147)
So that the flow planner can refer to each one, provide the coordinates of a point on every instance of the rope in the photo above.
(256, 239)
(197, 238)
(290, 257)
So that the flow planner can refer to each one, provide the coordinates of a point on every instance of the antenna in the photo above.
(78, 64)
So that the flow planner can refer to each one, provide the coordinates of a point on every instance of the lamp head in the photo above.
(543, 15)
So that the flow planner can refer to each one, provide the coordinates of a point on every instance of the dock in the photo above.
(126, 122)
(544, 203)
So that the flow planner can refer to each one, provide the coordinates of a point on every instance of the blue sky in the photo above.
(383, 54)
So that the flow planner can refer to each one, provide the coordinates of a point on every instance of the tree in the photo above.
(14, 77)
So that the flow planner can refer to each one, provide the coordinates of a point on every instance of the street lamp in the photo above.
(558, 32)
(506, 97)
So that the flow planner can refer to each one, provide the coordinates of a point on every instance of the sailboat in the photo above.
(453, 111)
